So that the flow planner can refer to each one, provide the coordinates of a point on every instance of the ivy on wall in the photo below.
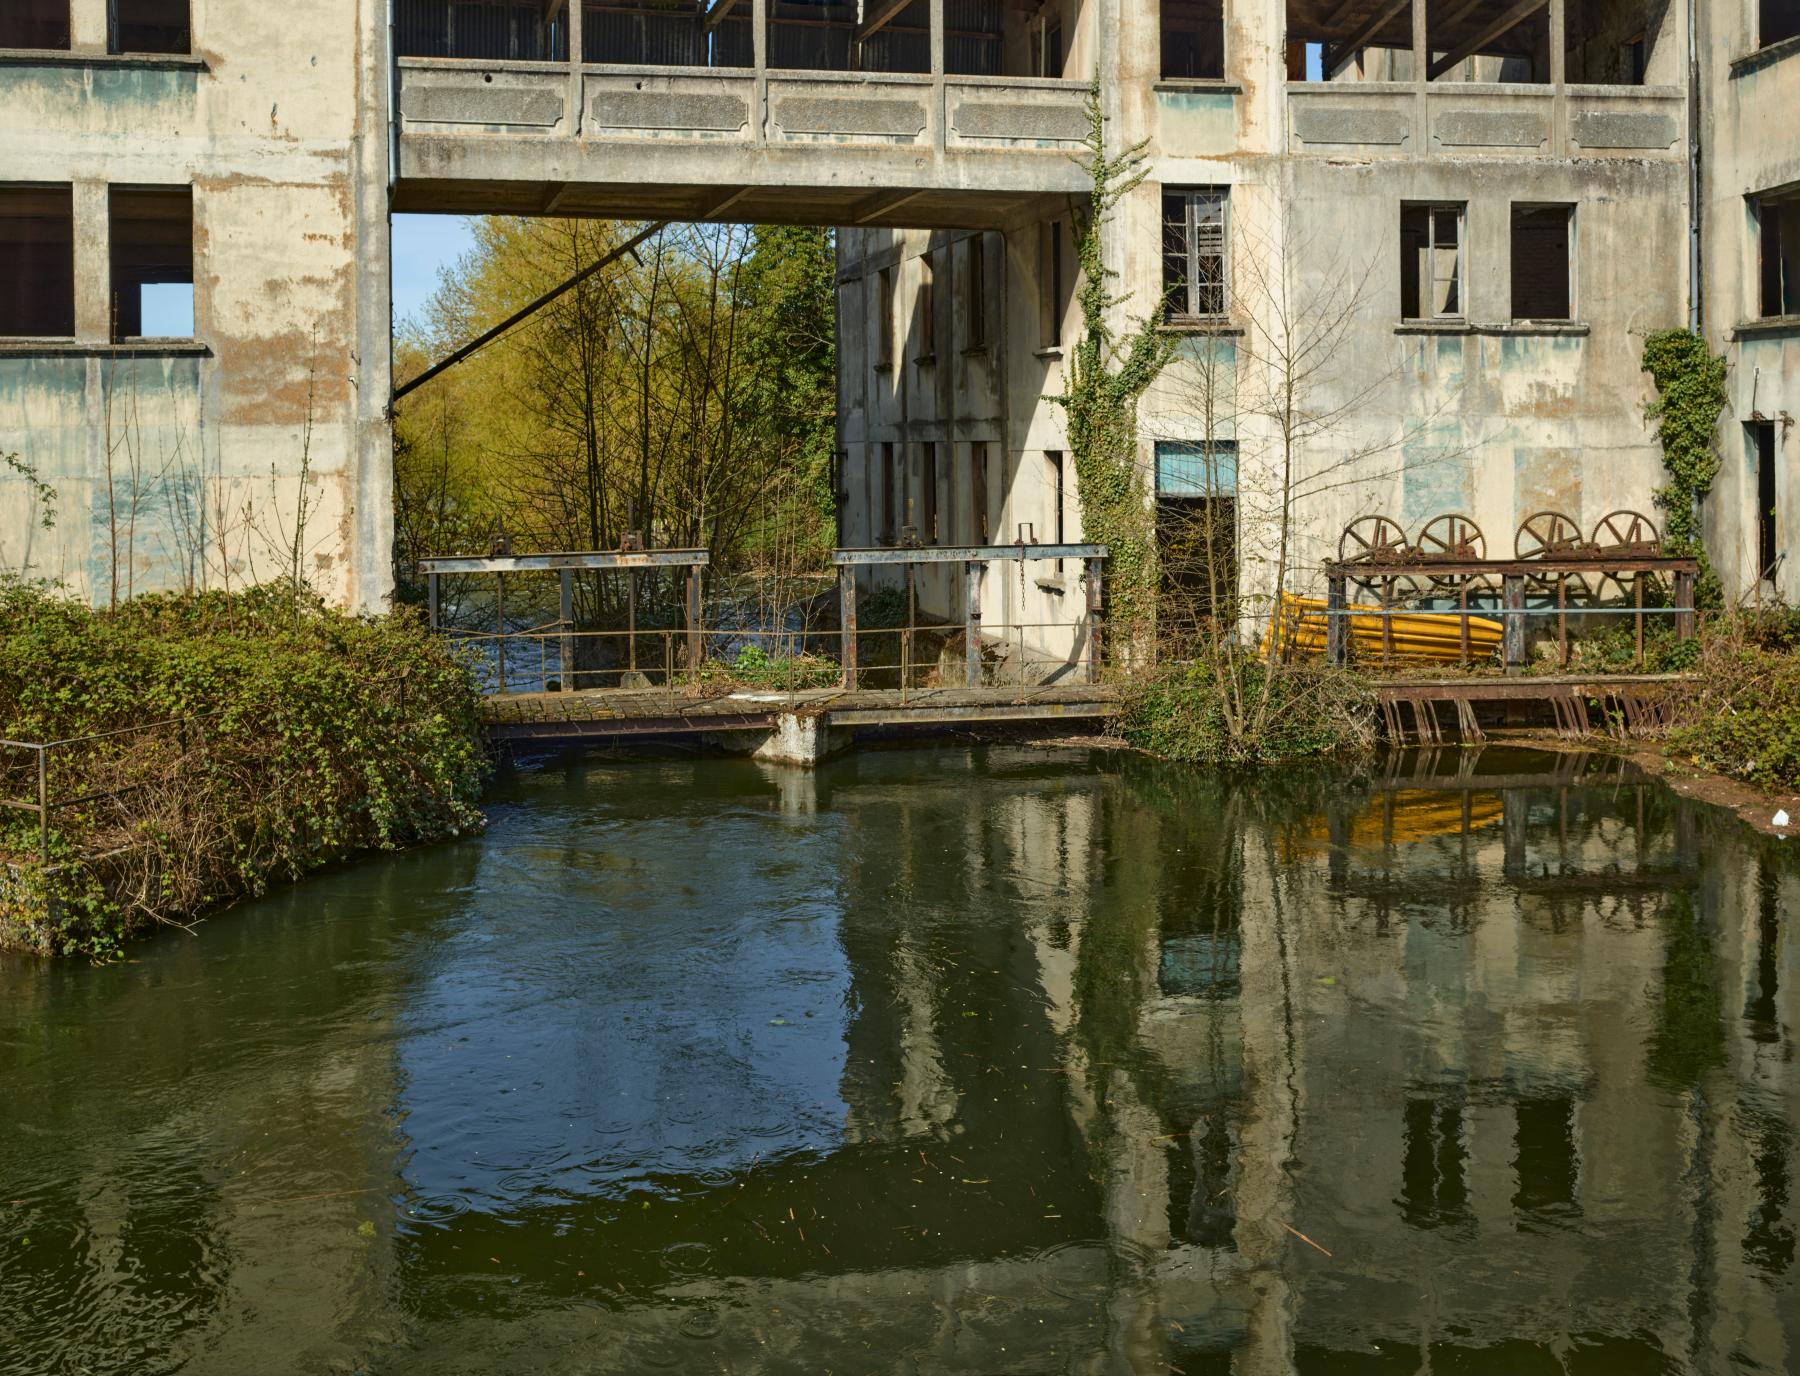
(1107, 377)
(1690, 395)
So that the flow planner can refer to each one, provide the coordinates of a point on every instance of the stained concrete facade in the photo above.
(1495, 408)
(219, 458)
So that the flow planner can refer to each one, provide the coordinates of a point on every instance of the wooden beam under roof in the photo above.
(1485, 35)
(720, 11)
(1373, 25)
(885, 10)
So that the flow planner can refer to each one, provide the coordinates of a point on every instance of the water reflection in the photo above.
(965, 1060)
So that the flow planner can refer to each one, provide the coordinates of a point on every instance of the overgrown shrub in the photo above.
(756, 668)
(306, 735)
(1743, 716)
(1185, 712)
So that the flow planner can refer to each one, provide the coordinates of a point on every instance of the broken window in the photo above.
(1609, 44)
(149, 26)
(1542, 264)
(1472, 41)
(152, 233)
(1431, 262)
(1193, 39)
(1776, 21)
(975, 290)
(1194, 249)
(34, 24)
(1778, 254)
(1761, 434)
(1349, 40)
(1196, 528)
(37, 262)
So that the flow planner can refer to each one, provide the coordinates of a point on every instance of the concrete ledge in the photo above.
(58, 57)
(1764, 57)
(128, 348)
(1775, 327)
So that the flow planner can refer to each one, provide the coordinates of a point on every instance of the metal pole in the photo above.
(1684, 606)
(431, 597)
(1337, 622)
(693, 620)
(631, 620)
(1462, 603)
(43, 754)
(1093, 613)
(972, 625)
(847, 625)
(1513, 633)
(1637, 593)
(1562, 619)
(912, 615)
(500, 644)
(566, 611)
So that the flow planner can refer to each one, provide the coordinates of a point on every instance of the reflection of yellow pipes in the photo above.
(1418, 815)
(1410, 635)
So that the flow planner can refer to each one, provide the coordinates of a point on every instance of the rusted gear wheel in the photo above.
(1377, 540)
(1624, 533)
(1452, 536)
(1552, 535)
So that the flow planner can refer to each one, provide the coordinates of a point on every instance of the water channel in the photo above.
(964, 1059)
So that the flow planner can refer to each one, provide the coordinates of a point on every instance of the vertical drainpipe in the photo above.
(1694, 207)
(393, 109)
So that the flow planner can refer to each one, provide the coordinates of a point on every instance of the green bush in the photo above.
(1743, 716)
(309, 735)
(1236, 712)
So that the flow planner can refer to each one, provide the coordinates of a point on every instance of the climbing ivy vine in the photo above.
(1690, 394)
(1106, 378)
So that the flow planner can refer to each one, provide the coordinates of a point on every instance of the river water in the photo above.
(978, 1060)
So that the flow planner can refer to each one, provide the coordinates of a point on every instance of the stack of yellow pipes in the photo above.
(1436, 637)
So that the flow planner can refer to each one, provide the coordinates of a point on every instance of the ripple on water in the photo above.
(437, 1208)
(701, 1324)
(687, 1258)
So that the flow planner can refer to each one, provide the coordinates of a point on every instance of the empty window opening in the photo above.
(1050, 283)
(884, 318)
(34, 24)
(1606, 43)
(927, 309)
(1196, 531)
(1349, 40)
(1542, 264)
(1193, 40)
(152, 230)
(927, 514)
(1047, 44)
(659, 33)
(1778, 255)
(884, 532)
(1546, 1164)
(1762, 443)
(979, 530)
(1777, 21)
(975, 290)
(37, 262)
(522, 31)
(1431, 262)
(1194, 253)
(150, 26)
(1488, 42)
(1053, 497)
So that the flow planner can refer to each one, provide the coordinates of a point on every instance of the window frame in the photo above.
(1191, 253)
(1571, 265)
(116, 47)
(1780, 205)
(65, 192)
(1428, 295)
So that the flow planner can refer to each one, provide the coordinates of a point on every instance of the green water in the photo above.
(969, 1060)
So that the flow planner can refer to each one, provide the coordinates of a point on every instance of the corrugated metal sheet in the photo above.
(495, 32)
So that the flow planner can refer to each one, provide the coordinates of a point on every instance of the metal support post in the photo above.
(1513, 632)
(693, 620)
(566, 612)
(431, 598)
(1684, 606)
(500, 611)
(847, 624)
(972, 625)
(1094, 590)
(1337, 622)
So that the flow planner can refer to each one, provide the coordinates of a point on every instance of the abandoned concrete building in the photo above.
(1480, 206)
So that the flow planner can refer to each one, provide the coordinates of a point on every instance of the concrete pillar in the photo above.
(93, 263)
(88, 25)
(800, 740)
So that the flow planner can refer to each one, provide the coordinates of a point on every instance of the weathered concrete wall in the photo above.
(213, 461)
(1747, 113)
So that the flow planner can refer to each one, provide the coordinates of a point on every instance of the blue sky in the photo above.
(422, 245)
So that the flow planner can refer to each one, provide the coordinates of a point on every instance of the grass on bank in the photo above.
(309, 735)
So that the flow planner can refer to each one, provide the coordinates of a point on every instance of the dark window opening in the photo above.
(511, 30)
(975, 291)
(152, 230)
(1048, 46)
(1194, 253)
(1364, 40)
(1488, 42)
(1778, 255)
(926, 307)
(928, 494)
(34, 24)
(979, 530)
(1431, 262)
(1196, 532)
(884, 533)
(1762, 438)
(1193, 39)
(37, 262)
(1608, 44)
(1777, 20)
(884, 318)
(150, 26)
(1541, 262)
(1050, 283)
(1053, 482)
(661, 33)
